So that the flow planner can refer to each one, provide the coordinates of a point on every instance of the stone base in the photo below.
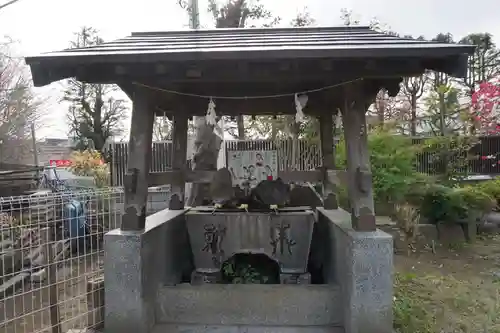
(172, 328)
(136, 264)
(250, 304)
(488, 228)
(470, 232)
(450, 234)
(199, 278)
(304, 278)
(362, 264)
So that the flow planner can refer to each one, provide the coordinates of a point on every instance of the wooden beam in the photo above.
(319, 103)
(136, 177)
(301, 176)
(179, 177)
(234, 107)
(179, 159)
(337, 177)
(360, 186)
(257, 71)
(373, 86)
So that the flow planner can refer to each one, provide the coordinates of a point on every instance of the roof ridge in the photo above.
(253, 30)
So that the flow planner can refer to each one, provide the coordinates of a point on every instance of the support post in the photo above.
(35, 153)
(95, 303)
(179, 160)
(47, 242)
(138, 164)
(328, 159)
(360, 187)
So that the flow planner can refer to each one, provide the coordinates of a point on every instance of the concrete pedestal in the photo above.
(362, 264)
(136, 265)
(143, 289)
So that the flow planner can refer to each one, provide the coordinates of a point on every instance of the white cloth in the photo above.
(300, 104)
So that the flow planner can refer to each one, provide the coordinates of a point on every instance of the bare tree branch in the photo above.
(19, 108)
(94, 115)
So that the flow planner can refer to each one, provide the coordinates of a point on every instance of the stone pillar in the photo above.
(129, 298)
(137, 264)
(179, 160)
(361, 264)
(360, 187)
(328, 156)
(368, 282)
(138, 164)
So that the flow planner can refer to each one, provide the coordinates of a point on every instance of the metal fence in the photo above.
(484, 157)
(51, 257)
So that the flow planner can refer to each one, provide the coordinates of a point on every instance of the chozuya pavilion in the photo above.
(150, 260)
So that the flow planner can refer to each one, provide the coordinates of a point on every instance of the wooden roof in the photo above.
(241, 45)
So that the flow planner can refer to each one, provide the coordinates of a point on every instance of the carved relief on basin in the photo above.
(284, 237)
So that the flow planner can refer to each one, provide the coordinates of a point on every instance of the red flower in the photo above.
(485, 103)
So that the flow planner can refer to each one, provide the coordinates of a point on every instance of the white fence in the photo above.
(301, 156)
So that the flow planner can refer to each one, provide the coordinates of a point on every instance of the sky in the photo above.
(48, 25)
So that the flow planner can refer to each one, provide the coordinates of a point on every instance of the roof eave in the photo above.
(239, 54)
(53, 67)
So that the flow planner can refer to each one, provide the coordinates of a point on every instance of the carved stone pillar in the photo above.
(138, 164)
(359, 179)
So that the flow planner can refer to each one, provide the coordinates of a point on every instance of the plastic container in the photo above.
(74, 224)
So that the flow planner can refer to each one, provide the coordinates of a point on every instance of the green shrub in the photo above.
(492, 188)
(393, 161)
(476, 199)
(438, 205)
(441, 203)
(393, 166)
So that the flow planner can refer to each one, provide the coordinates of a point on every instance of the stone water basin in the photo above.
(216, 236)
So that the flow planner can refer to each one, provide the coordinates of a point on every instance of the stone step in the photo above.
(166, 328)
(493, 218)
(273, 305)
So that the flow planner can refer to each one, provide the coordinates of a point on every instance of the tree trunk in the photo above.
(240, 121)
(206, 152)
(381, 105)
(274, 130)
(442, 115)
(207, 144)
(294, 134)
(413, 120)
(443, 130)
